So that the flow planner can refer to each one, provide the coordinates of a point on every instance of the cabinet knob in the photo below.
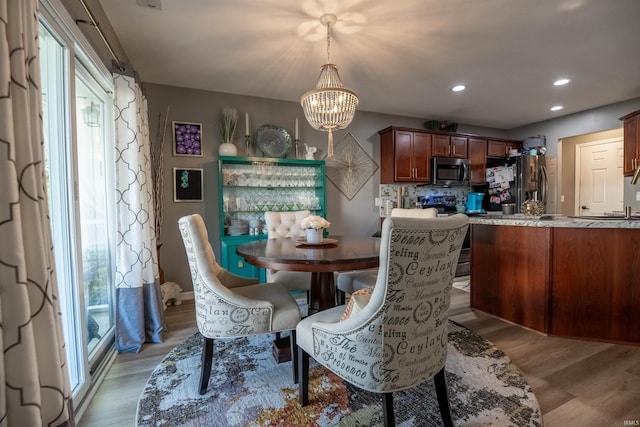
(240, 264)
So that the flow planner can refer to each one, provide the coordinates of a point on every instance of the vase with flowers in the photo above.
(228, 122)
(314, 226)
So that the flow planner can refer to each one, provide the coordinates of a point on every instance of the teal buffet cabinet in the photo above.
(250, 186)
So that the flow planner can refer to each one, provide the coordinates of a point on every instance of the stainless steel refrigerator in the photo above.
(531, 183)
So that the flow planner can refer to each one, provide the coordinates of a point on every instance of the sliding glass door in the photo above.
(79, 150)
(95, 195)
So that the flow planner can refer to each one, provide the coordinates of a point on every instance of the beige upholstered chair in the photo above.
(231, 306)
(287, 224)
(399, 339)
(352, 281)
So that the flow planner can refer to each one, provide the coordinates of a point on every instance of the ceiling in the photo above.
(400, 57)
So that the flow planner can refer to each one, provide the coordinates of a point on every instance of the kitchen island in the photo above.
(569, 277)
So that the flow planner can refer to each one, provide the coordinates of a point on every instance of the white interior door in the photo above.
(599, 178)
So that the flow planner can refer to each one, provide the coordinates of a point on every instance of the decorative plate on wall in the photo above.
(273, 141)
(350, 167)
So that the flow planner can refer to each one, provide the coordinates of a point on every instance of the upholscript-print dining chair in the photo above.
(231, 306)
(399, 338)
(353, 281)
(287, 224)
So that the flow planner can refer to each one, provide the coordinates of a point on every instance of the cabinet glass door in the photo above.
(250, 187)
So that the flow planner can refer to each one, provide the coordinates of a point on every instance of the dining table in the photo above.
(333, 254)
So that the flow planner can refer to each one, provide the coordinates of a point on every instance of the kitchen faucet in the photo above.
(634, 180)
(636, 175)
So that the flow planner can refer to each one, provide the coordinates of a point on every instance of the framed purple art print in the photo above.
(187, 139)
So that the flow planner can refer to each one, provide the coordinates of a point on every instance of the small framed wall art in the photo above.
(187, 185)
(187, 139)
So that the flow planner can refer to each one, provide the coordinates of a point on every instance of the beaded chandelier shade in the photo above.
(329, 106)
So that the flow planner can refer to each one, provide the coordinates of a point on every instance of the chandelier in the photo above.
(329, 106)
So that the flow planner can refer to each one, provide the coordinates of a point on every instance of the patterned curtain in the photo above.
(139, 311)
(33, 365)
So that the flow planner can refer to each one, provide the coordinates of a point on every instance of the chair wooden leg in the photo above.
(342, 298)
(387, 410)
(303, 376)
(207, 359)
(443, 398)
(294, 355)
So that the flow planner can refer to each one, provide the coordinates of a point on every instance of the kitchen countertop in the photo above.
(554, 220)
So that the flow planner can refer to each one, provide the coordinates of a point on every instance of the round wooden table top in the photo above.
(338, 253)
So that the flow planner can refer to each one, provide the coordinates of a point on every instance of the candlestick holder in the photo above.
(247, 143)
(295, 141)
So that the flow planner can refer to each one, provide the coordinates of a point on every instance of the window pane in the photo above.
(93, 192)
(56, 135)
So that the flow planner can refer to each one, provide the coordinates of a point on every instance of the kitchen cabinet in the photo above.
(594, 293)
(405, 153)
(631, 142)
(250, 186)
(500, 149)
(405, 156)
(511, 264)
(565, 277)
(477, 154)
(449, 146)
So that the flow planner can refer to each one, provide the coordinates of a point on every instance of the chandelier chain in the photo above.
(328, 42)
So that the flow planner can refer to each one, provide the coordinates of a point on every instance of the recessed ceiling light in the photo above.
(561, 82)
(556, 107)
(458, 88)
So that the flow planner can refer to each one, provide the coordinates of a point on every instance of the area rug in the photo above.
(462, 283)
(248, 388)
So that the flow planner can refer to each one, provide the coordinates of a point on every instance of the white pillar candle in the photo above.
(246, 123)
(296, 128)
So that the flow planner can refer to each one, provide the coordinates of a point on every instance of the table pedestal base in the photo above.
(323, 291)
(282, 349)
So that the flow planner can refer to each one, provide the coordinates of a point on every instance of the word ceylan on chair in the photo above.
(353, 281)
(399, 338)
(231, 306)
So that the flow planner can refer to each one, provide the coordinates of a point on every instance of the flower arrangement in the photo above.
(314, 222)
(228, 122)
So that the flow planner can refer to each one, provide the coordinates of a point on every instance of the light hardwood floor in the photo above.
(577, 383)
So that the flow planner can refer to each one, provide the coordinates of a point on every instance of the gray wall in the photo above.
(357, 217)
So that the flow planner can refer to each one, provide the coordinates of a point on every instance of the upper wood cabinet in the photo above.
(405, 153)
(404, 156)
(477, 149)
(631, 142)
(500, 149)
(449, 146)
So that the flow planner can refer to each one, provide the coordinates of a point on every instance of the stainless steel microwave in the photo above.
(449, 172)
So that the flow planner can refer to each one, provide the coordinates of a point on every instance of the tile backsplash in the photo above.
(389, 192)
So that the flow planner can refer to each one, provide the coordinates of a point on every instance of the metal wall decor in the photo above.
(350, 167)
